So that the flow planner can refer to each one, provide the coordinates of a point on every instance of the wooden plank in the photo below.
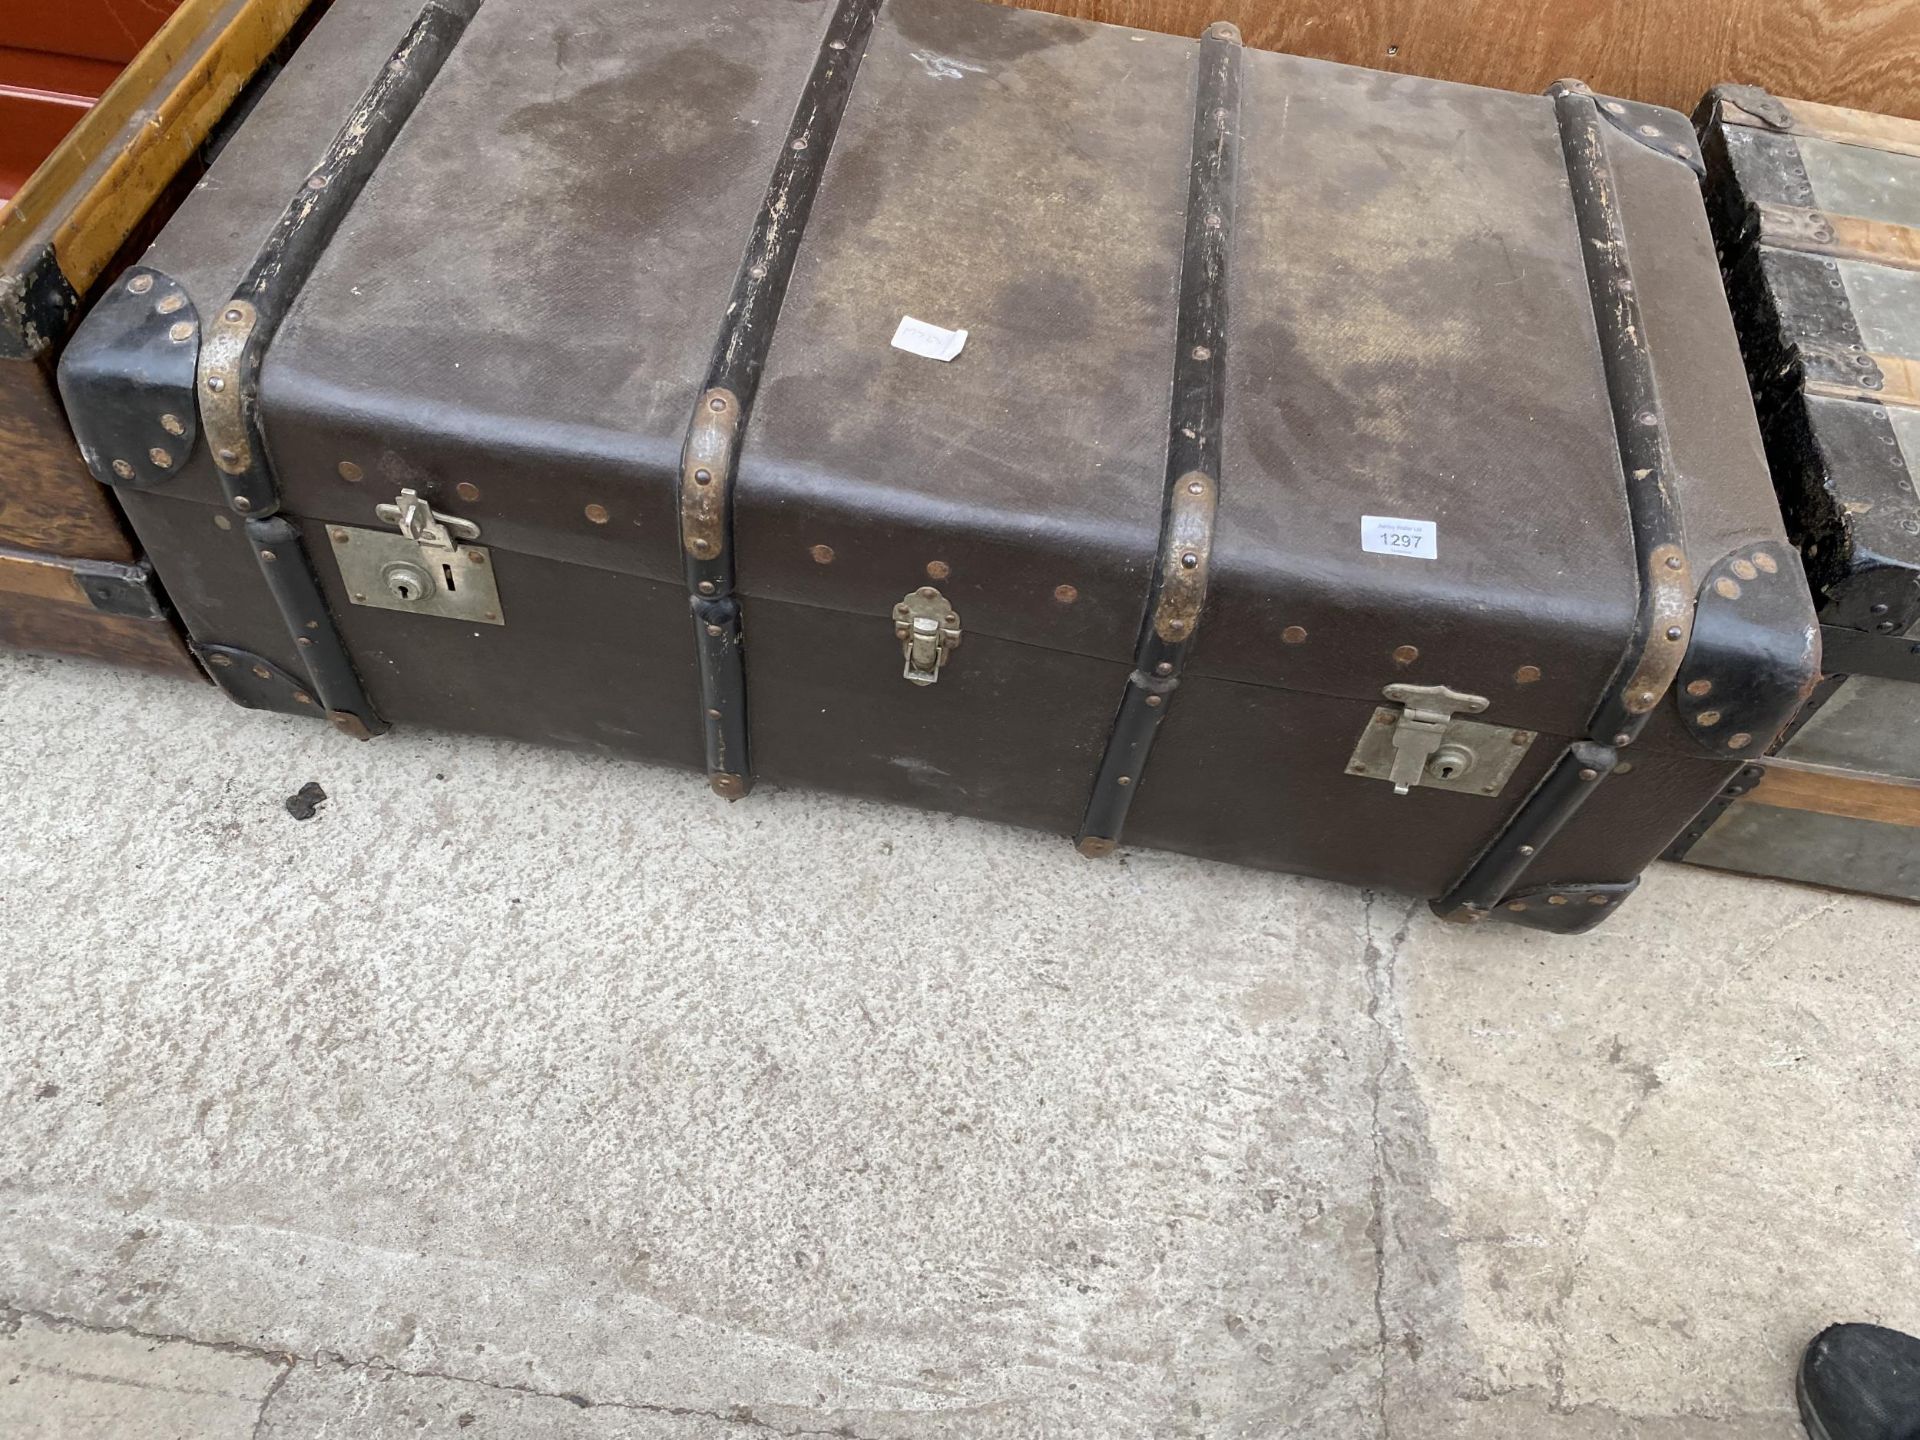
(1855, 127)
(1850, 237)
(48, 501)
(1858, 53)
(1899, 383)
(44, 609)
(108, 172)
(1845, 793)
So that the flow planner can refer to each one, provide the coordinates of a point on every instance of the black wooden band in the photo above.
(235, 342)
(718, 426)
(1178, 592)
(1664, 622)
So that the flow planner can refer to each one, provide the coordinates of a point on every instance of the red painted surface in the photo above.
(56, 57)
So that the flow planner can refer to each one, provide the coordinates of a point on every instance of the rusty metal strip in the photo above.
(1177, 597)
(1841, 126)
(718, 425)
(1664, 623)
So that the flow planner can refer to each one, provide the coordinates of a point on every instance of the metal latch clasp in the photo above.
(428, 568)
(422, 524)
(928, 631)
(1426, 715)
(1420, 739)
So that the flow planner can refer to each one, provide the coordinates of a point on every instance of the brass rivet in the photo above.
(140, 284)
(1521, 737)
(474, 557)
(1739, 740)
(303, 640)
(1744, 569)
(180, 330)
(242, 503)
(171, 424)
(350, 471)
(1124, 780)
(822, 554)
(338, 536)
(938, 569)
(1766, 562)
(1201, 352)
(597, 514)
(268, 556)
(703, 477)
(316, 182)
(1727, 588)
(1526, 675)
(1177, 627)
(715, 630)
(221, 522)
(232, 317)
(1596, 899)
(718, 402)
(1065, 594)
(1699, 687)
(263, 672)
(1623, 738)
(1674, 562)
(927, 592)
(1406, 655)
(223, 661)
(160, 457)
(1674, 632)
(705, 587)
(170, 304)
(216, 384)
(1153, 702)
(1647, 697)
(1189, 560)
(490, 615)
(1625, 767)
(359, 599)
(1589, 774)
(1165, 667)
(467, 490)
(1196, 487)
(1556, 899)
(1707, 717)
(713, 714)
(1516, 905)
(226, 455)
(123, 469)
(1385, 717)
(1526, 849)
(1294, 635)
(300, 697)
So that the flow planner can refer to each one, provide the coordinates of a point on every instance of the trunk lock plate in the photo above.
(1419, 740)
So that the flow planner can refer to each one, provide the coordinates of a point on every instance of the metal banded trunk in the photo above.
(1302, 491)
(1819, 229)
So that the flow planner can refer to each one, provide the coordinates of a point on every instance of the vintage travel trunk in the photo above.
(1817, 211)
(1343, 473)
(71, 579)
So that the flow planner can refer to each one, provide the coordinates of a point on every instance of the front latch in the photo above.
(928, 631)
(1419, 740)
(426, 567)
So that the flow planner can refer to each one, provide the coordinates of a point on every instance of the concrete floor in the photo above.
(530, 1094)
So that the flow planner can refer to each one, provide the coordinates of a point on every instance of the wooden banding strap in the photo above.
(1822, 790)
(1835, 123)
(93, 191)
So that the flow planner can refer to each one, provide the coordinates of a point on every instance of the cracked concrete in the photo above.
(527, 1093)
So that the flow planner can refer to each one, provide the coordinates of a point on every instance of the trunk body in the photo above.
(1318, 434)
(1817, 210)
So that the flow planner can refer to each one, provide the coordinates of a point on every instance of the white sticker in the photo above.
(1390, 535)
(916, 337)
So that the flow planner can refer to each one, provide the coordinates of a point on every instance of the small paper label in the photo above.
(917, 337)
(1390, 535)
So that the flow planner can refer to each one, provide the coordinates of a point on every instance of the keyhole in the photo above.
(1450, 763)
(1446, 769)
(403, 588)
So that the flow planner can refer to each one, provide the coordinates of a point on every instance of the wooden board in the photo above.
(44, 607)
(1859, 53)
